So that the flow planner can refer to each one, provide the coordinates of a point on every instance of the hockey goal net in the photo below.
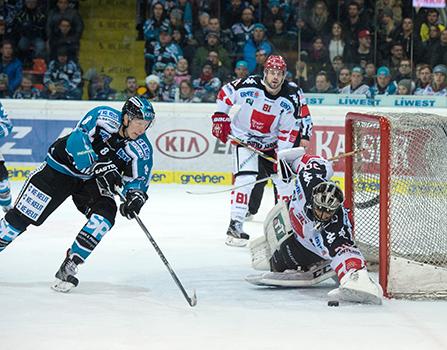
(397, 190)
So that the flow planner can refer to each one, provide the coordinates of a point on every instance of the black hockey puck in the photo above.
(333, 303)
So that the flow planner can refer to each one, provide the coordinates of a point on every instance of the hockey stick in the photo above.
(192, 301)
(341, 155)
(251, 148)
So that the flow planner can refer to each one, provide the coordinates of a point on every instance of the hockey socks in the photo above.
(7, 233)
(89, 237)
(5, 195)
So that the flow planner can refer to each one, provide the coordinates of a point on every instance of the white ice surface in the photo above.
(126, 298)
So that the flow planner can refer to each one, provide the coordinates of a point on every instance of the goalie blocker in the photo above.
(312, 240)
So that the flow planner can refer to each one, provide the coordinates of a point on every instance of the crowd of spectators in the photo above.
(193, 47)
(354, 47)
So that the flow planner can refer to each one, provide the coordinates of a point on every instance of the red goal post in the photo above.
(397, 190)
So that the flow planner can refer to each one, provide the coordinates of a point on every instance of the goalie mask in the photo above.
(327, 197)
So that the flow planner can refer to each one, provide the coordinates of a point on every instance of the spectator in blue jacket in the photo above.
(384, 85)
(257, 42)
(11, 66)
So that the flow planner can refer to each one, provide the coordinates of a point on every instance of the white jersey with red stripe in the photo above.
(332, 241)
(265, 121)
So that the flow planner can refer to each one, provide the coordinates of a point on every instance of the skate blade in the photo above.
(236, 242)
(62, 286)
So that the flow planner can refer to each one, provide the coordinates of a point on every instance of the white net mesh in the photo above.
(418, 188)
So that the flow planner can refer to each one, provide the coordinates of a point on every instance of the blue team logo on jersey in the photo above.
(285, 105)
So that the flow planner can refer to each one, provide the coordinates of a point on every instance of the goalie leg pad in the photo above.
(260, 254)
(294, 278)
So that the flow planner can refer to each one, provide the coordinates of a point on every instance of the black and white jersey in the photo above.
(265, 121)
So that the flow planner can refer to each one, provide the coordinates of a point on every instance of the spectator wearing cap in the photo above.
(431, 19)
(242, 31)
(356, 86)
(129, 91)
(159, 53)
(363, 53)
(10, 65)
(207, 85)
(439, 53)
(168, 87)
(383, 85)
(64, 11)
(438, 86)
(201, 55)
(424, 78)
(62, 80)
(225, 35)
(257, 42)
(29, 27)
(26, 90)
(405, 87)
(151, 90)
(322, 84)
(240, 70)
(157, 19)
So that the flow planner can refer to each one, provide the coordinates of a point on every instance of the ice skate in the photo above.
(357, 287)
(65, 276)
(236, 237)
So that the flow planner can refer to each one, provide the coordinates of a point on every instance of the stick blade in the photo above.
(193, 299)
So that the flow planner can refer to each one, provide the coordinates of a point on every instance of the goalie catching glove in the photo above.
(133, 203)
(107, 175)
(221, 126)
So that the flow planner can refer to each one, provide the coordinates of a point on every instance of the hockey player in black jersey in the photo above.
(106, 149)
(268, 120)
(312, 239)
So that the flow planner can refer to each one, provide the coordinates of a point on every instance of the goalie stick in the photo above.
(192, 300)
(332, 159)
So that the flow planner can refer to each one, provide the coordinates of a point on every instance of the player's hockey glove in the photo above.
(221, 126)
(134, 201)
(107, 175)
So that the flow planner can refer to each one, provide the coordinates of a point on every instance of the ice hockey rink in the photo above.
(126, 298)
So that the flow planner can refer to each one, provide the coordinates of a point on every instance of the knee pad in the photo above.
(105, 207)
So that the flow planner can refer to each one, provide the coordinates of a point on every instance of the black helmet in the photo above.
(139, 108)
